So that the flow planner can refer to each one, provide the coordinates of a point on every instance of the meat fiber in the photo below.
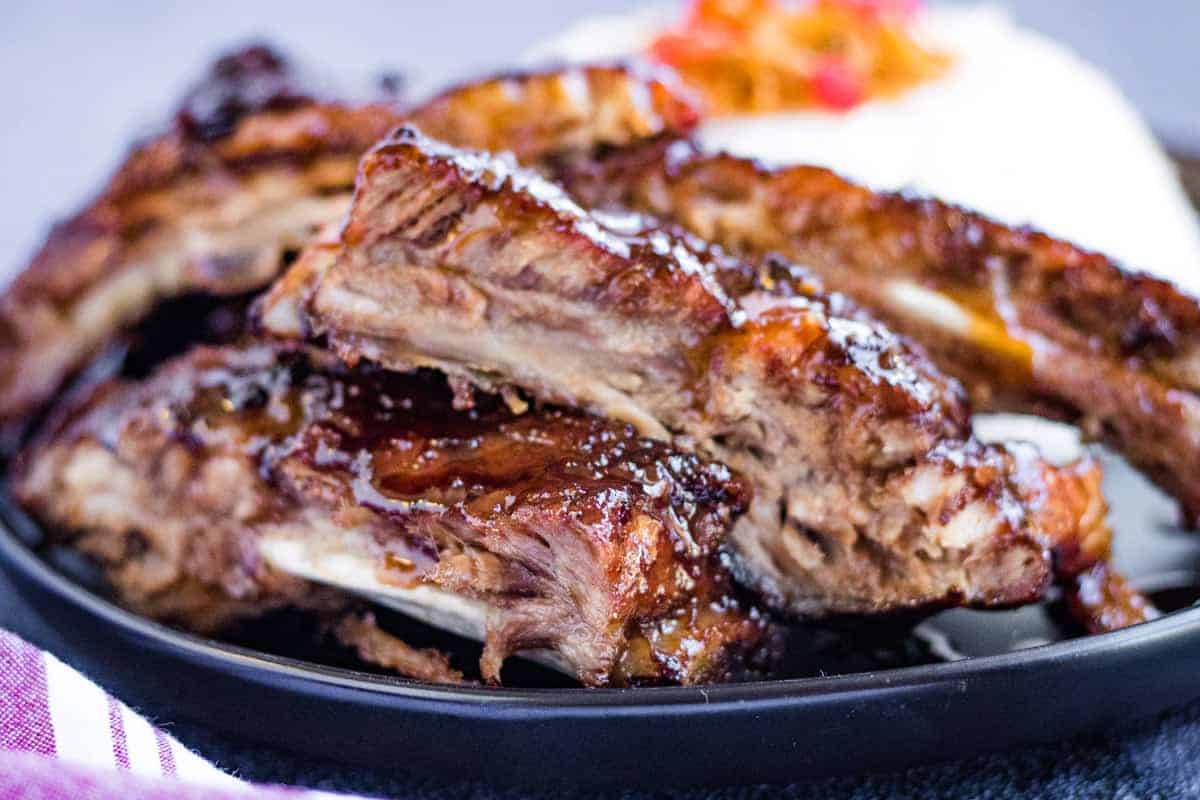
(870, 493)
(253, 166)
(554, 532)
(1027, 322)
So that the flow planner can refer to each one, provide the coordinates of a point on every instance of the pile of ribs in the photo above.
(528, 363)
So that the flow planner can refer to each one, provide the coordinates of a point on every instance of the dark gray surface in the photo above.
(84, 78)
(1151, 758)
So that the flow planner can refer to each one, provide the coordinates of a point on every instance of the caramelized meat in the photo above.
(1101, 599)
(558, 114)
(251, 168)
(869, 492)
(1027, 322)
(251, 164)
(256, 78)
(376, 646)
(565, 534)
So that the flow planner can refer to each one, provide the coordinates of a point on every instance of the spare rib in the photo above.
(252, 166)
(870, 493)
(552, 531)
(1027, 322)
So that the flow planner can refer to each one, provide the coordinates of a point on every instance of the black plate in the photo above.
(774, 731)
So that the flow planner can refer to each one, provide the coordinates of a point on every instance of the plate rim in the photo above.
(262, 666)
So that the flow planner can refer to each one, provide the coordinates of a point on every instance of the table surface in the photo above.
(86, 78)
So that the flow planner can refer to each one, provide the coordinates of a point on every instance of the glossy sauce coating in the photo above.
(648, 520)
(870, 490)
(637, 266)
(256, 160)
(422, 450)
(1028, 322)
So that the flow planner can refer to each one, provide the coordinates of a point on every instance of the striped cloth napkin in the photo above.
(62, 737)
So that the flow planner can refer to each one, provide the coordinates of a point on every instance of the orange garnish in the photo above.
(748, 56)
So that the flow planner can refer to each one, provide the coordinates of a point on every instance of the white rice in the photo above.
(1021, 129)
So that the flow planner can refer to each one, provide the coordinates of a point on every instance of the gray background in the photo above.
(82, 79)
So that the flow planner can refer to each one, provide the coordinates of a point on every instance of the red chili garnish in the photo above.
(757, 56)
(837, 85)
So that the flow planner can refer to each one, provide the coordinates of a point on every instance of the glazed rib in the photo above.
(251, 163)
(252, 166)
(869, 492)
(558, 115)
(1027, 322)
(553, 531)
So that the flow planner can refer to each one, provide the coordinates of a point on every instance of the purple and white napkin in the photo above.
(62, 737)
